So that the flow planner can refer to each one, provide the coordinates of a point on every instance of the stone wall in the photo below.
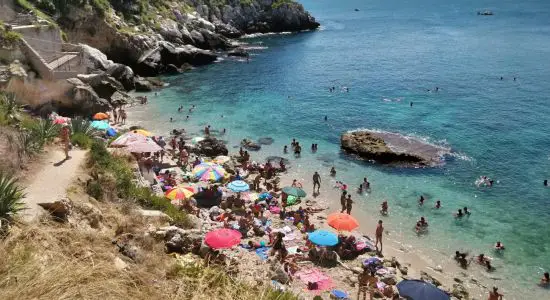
(46, 40)
(7, 12)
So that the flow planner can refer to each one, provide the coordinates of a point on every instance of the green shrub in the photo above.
(81, 140)
(94, 189)
(44, 131)
(10, 110)
(79, 125)
(145, 197)
(11, 197)
(280, 3)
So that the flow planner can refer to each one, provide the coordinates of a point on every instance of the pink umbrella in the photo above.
(222, 238)
(143, 146)
(127, 139)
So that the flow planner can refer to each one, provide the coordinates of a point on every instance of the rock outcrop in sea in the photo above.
(392, 149)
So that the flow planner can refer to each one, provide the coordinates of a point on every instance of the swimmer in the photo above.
(459, 214)
(326, 118)
(545, 280)
(171, 120)
(501, 78)
(332, 171)
(514, 78)
(437, 204)
(384, 210)
(436, 89)
(545, 182)
(421, 200)
(366, 183)
(223, 131)
(499, 246)
(423, 222)
(186, 118)
(466, 211)
(495, 295)
(481, 259)
(360, 189)
(285, 149)
(411, 104)
(488, 266)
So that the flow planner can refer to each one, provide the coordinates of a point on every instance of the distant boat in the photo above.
(485, 13)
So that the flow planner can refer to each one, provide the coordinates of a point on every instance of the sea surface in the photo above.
(388, 54)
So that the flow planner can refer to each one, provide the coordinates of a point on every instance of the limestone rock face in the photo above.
(368, 146)
(85, 99)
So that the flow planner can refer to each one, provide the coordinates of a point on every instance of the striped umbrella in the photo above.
(180, 193)
(238, 186)
(208, 171)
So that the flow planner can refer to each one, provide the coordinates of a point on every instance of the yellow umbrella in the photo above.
(142, 132)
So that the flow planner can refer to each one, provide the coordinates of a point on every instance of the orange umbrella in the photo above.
(101, 116)
(344, 222)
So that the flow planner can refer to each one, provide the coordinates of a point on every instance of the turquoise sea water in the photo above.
(388, 54)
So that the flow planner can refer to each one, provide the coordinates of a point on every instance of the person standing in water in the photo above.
(343, 201)
(411, 104)
(349, 203)
(316, 181)
(495, 295)
(378, 234)
(326, 118)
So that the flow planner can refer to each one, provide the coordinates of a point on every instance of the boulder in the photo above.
(143, 85)
(459, 291)
(198, 38)
(84, 99)
(120, 98)
(214, 41)
(389, 279)
(240, 52)
(178, 56)
(59, 209)
(122, 74)
(210, 147)
(180, 240)
(428, 278)
(169, 29)
(94, 58)
(227, 30)
(250, 145)
(369, 146)
(172, 69)
(120, 264)
(103, 84)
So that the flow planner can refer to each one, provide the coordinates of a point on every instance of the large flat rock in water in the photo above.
(392, 149)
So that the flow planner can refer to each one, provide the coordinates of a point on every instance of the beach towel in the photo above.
(289, 237)
(292, 250)
(323, 282)
(262, 252)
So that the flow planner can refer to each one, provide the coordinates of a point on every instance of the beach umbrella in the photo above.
(101, 116)
(323, 238)
(222, 159)
(100, 125)
(143, 147)
(340, 221)
(222, 238)
(208, 171)
(238, 186)
(294, 191)
(180, 193)
(127, 139)
(142, 132)
(420, 290)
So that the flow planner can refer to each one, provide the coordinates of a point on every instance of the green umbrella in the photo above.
(294, 191)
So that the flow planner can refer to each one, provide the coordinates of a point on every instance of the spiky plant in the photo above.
(11, 197)
(44, 131)
(79, 125)
(10, 109)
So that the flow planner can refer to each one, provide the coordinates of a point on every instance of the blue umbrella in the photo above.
(100, 125)
(338, 294)
(265, 196)
(420, 290)
(238, 186)
(323, 238)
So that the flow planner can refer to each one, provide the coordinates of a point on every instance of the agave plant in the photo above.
(9, 108)
(79, 125)
(44, 131)
(11, 197)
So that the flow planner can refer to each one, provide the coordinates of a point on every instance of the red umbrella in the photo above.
(222, 238)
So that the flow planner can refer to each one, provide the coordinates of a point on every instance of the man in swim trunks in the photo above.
(343, 200)
(349, 203)
(378, 234)
(316, 181)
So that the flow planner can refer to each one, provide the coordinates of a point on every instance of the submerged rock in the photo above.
(266, 140)
(250, 145)
(391, 148)
(210, 147)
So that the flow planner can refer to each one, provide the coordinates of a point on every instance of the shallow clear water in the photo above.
(388, 54)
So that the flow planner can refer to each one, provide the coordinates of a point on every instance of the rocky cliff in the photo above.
(161, 36)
